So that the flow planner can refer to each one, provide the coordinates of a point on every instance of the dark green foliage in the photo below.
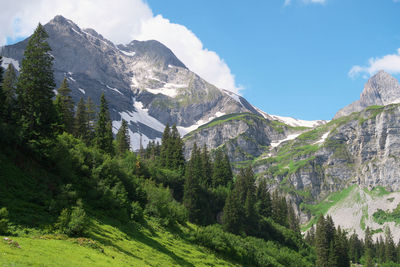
(9, 91)
(164, 153)
(390, 249)
(4, 220)
(2, 95)
(250, 251)
(171, 152)
(73, 221)
(263, 204)
(279, 209)
(122, 138)
(65, 107)
(35, 90)
(222, 172)
(331, 244)
(206, 166)
(195, 197)
(161, 204)
(136, 211)
(355, 248)
(81, 129)
(239, 211)
(104, 136)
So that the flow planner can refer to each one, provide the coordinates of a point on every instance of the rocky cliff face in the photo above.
(381, 89)
(242, 136)
(144, 82)
(362, 148)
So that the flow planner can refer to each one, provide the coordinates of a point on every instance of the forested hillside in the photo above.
(73, 195)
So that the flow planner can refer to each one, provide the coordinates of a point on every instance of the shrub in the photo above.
(72, 222)
(136, 211)
(162, 205)
(3, 221)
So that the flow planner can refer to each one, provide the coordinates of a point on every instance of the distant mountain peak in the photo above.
(381, 89)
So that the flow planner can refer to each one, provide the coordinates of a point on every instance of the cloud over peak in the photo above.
(121, 21)
(389, 63)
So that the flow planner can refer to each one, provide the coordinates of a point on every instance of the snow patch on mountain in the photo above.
(169, 89)
(288, 138)
(323, 138)
(7, 61)
(114, 89)
(82, 91)
(184, 130)
(298, 123)
(129, 54)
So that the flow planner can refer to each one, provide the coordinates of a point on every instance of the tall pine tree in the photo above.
(80, 122)
(65, 107)
(222, 171)
(2, 95)
(104, 136)
(9, 90)
(35, 90)
(123, 139)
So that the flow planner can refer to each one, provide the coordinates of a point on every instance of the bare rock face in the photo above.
(143, 81)
(381, 89)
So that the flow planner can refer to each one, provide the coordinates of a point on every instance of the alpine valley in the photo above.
(347, 168)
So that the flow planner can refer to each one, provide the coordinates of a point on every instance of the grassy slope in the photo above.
(107, 243)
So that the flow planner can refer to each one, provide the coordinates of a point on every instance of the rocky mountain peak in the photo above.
(381, 89)
(152, 51)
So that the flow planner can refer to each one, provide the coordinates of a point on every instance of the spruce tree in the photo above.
(322, 244)
(206, 167)
(243, 196)
(192, 189)
(104, 136)
(222, 171)
(165, 142)
(2, 95)
(91, 119)
(80, 122)
(35, 90)
(175, 149)
(123, 139)
(9, 90)
(65, 107)
(390, 249)
(263, 199)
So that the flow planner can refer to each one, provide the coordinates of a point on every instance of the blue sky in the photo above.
(293, 60)
(291, 57)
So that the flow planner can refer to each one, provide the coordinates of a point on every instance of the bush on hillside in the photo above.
(3, 221)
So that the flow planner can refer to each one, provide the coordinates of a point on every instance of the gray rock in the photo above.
(381, 89)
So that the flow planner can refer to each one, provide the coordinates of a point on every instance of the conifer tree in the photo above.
(263, 198)
(355, 248)
(123, 139)
(206, 167)
(2, 95)
(192, 189)
(390, 249)
(165, 142)
(241, 201)
(322, 243)
(35, 89)
(104, 136)
(80, 122)
(368, 248)
(222, 171)
(176, 150)
(9, 90)
(65, 107)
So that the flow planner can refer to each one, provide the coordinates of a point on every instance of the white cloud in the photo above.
(121, 21)
(389, 63)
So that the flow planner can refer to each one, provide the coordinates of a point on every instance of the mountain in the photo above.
(143, 81)
(381, 89)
